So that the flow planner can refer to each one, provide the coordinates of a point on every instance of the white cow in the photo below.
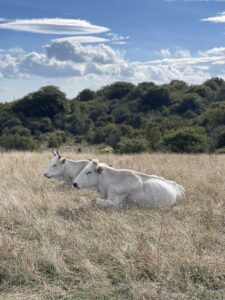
(117, 185)
(64, 169)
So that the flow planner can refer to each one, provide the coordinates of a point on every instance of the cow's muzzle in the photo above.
(75, 184)
(46, 175)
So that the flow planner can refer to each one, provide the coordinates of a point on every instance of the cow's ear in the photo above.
(99, 169)
(63, 160)
(95, 161)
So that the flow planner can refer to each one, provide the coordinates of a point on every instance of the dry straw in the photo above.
(49, 249)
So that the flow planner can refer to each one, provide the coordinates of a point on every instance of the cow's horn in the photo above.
(59, 155)
(53, 152)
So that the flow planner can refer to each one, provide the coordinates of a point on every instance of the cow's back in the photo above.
(159, 192)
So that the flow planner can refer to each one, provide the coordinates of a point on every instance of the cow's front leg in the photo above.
(117, 203)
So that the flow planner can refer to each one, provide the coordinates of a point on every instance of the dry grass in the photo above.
(50, 250)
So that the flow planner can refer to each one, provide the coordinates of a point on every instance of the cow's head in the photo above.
(56, 166)
(88, 177)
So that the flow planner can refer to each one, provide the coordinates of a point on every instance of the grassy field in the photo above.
(49, 249)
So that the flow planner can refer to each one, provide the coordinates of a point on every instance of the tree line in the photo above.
(120, 117)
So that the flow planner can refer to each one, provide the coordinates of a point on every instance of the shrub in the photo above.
(218, 135)
(18, 130)
(11, 122)
(18, 142)
(105, 149)
(220, 150)
(129, 146)
(189, 139)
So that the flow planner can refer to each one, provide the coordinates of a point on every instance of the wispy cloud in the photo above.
(220, 18)
(118, 39)
(82, 39)
(163, 53)
(189, 60)
(218, 51)
(178, 52)
(54, 26)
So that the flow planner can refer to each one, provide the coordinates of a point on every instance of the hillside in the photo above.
(174, 117)
(51, 250)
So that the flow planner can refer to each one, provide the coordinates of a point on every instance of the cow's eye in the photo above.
(54, 165)
(88, 173)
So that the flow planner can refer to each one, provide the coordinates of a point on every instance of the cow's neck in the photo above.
(72, 169)
(103, 186)
(66, 174)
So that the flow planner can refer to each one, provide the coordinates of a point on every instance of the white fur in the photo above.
(64, 169)
(117, 185)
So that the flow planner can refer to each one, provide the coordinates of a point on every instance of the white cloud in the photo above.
(9, 65)
(95, 65)
(82, 39)
(39, 64)
(73, 51)
(220, 18)
(54, 26)
(220, 51)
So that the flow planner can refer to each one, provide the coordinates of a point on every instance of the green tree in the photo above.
(56, 140)
(155, 98)
(77, 123)
(121, 114)
(215, 83)
(190, 102)
(47, 102)
(117, 90)
(178, 85)
(146, 85)
(213, 116)
(111, 134)
(154, 136)
(86, 95)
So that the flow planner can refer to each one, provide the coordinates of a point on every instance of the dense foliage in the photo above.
(129, 118)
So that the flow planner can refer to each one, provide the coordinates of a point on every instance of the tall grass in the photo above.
(52, 248)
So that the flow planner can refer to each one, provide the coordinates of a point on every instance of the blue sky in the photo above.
(77, 44)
